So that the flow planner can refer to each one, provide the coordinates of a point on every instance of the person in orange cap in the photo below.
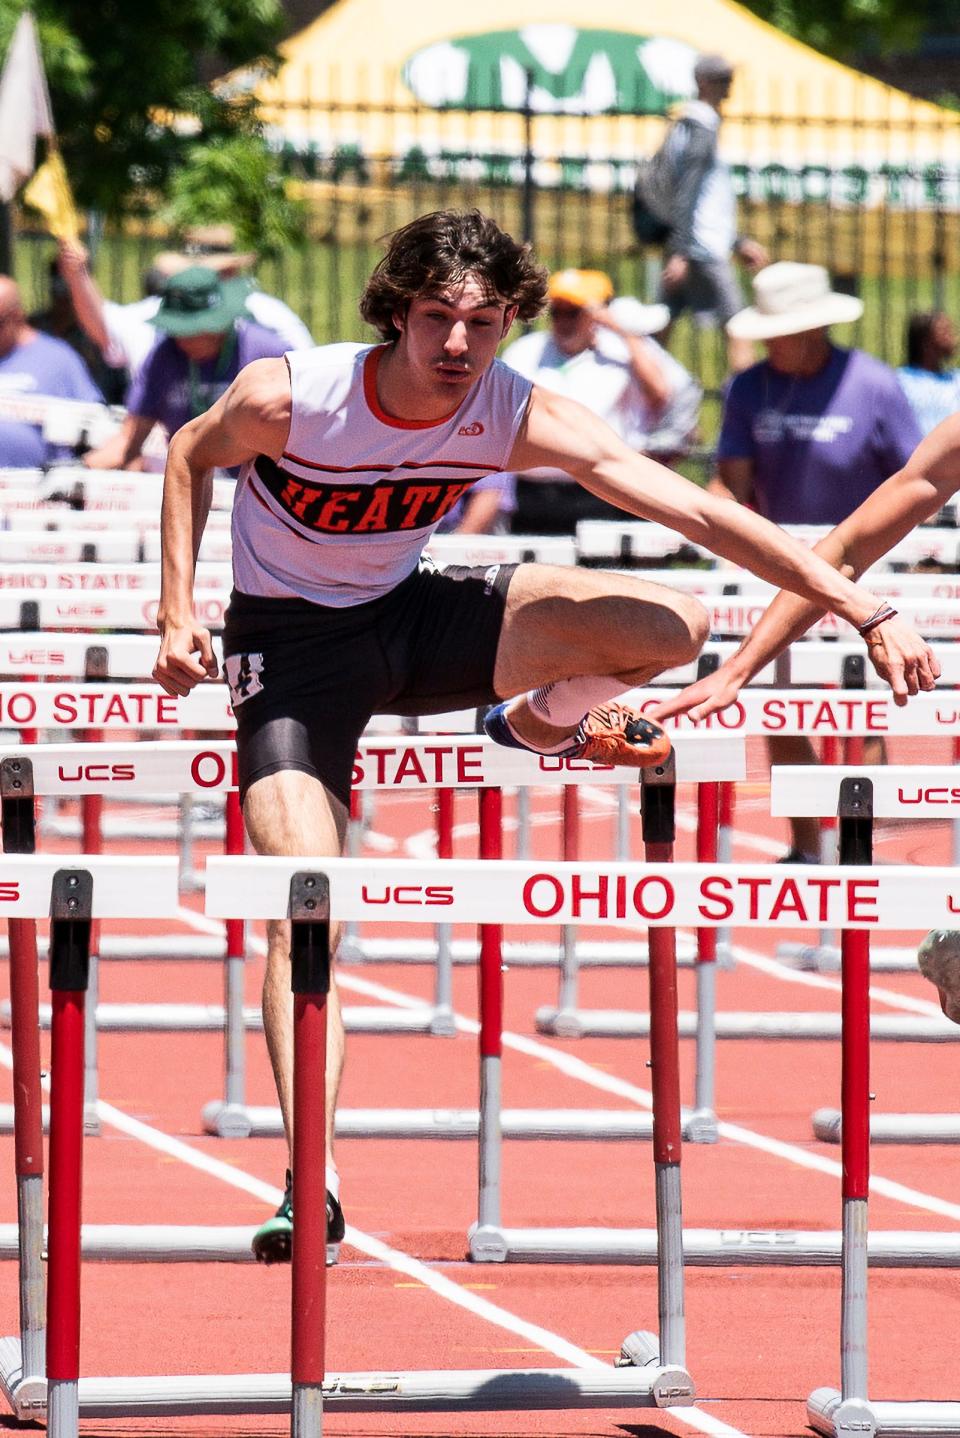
(600, 351)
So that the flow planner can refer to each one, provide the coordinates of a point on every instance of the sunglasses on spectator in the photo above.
(561, 311)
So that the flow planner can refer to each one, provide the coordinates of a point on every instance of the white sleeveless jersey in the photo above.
(345, 514)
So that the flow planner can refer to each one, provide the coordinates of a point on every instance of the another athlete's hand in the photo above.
(186, 658)
(705, 696)
(902, 658)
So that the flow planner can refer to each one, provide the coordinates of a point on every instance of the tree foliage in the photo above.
(844, 28)
(236, 180)
(128, 87)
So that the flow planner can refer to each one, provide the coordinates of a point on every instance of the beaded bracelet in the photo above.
(878, 617)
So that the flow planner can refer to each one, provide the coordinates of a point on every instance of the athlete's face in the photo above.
(451, 337)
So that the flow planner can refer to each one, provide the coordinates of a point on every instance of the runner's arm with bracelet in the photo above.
(915, 493)
(251, 418)
(561, 434)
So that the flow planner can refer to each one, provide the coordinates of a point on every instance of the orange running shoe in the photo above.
(615, 734)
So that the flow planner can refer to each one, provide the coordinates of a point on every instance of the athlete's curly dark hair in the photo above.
(443, 248)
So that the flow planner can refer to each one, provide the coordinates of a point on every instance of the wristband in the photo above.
(878, 617)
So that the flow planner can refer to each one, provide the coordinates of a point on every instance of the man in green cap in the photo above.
(206, 338)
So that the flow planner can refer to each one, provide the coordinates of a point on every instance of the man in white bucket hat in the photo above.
(809, 432)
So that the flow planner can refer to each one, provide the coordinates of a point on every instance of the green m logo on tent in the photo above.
(567, 71)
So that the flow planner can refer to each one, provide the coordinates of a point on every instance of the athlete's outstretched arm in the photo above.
(563, 435)
(929, 479)
(251, 418)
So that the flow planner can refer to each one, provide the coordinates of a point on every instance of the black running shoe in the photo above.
(798, 856)
(273, 1240)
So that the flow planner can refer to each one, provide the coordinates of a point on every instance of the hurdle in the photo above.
(653, 1370)
(664, 895)
(898, 792)
(632, 542)
(40, 886)
(442, 763)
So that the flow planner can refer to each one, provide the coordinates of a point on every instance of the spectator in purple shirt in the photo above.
(205, 342)
(809, 432)
(813, 429)
(34, 365)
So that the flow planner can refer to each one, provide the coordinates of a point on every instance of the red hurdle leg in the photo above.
(310, 979)
(708, 815)
(490, 977)
(658, 788)
(69, 955)
(443, 1021)
(235, 1033)
(19, 836)
(91, 842)
(569, 967)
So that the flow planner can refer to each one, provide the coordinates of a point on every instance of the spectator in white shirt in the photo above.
(599, 351)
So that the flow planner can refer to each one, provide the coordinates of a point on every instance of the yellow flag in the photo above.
(49, 192)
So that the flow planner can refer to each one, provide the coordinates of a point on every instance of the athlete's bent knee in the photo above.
(693, 629)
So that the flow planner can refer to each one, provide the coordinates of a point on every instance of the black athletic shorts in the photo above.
(305, 678)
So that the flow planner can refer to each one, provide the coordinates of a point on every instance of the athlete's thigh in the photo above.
(560, 622)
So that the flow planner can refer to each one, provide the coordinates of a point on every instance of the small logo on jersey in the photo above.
(243, 677)
(471, 429)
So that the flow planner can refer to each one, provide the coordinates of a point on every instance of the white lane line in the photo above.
(764, 964)
(578, 1069)
(393, 1258)
(583, 1072)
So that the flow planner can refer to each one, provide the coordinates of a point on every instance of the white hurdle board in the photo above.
(524, 892)
(101, 488)
(932, 618)
(91, 576)
(63, 421)
(489, 549)
(114, 609)
(132, 656)
(727, 582)
(180, 767)
(116, 545)
(899, 792)
(123, 888)
(56, 519)
(851, 712)
(113, 706)
(599, 539)
(126, 656)
(729, 616)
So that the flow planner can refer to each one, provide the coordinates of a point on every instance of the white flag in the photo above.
(24, 107)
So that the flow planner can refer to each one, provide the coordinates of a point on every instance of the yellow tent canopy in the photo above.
(382, 79)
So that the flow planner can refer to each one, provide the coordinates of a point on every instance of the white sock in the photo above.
(333, 1181)
(565, 701)
(539, 748)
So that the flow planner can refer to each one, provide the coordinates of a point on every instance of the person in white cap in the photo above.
(599, 350)
(809, 432)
